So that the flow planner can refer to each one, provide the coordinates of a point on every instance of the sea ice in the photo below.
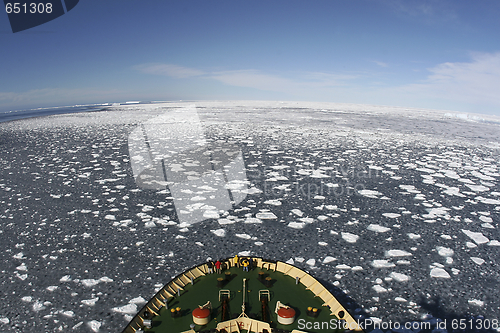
(311, 262)
(379, 289)
(391, 215)
(399, 277)
(377, 228)
(219, 232)
(296, 225)
(477, 237)
(94, 325)
(437, 272)
(129, 309)
(243, 236)
(382, 263)
(477, 260)
(397, 253)
(444, 251)
(476, 302)
(265, 216)
(328, 259)
(350, 238)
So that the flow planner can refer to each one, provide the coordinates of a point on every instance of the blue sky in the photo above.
(426, 54)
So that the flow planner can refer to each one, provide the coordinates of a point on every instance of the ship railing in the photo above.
(336, 309)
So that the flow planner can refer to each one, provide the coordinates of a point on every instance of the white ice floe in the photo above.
(397, 253)
(470, 245)
(400, 299)
(265, 216)
(253, 220)
(379, 289)
(151, 224)
(475, 302)
(243, 236)
(226, 221)
(296, 225)
(486, 219)
(273, 202)
(297, 212)
(477, 237)
(409, 188)
(437, 272)
(311, 262)
(67, 313)
(453, 191)
(370, 193)
(219, 232)
(90, 302)
(481, 176)
(477, 260)
(350, 238)
(22, 267)
(477, 188)
(19, 255)
(328, 259)
(377, 228)
(106, 279)
(38, 306)
(494, 242)
(130, 308)
(90, 282)
(382, 263)
(391, 215)
(399, 277)
(322, 243)
(94, 325)
(488, 201)
(414, 236)
(211, 214)
(4, 320)
(437, 212)
(138, 300)
(444, 251)
(343, 267)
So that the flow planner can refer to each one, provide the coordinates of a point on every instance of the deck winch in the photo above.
(286, 314)
(202, 314)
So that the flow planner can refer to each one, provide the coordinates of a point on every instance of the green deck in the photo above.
(283, 289)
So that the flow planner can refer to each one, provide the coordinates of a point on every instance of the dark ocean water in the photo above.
(40, 112)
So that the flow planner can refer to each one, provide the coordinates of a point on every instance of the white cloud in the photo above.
(475, 82)
(250, 78)
(426, 11)
(380, 63)
(169, 70)
(299, 84)
(255, 79)
(472, 86)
